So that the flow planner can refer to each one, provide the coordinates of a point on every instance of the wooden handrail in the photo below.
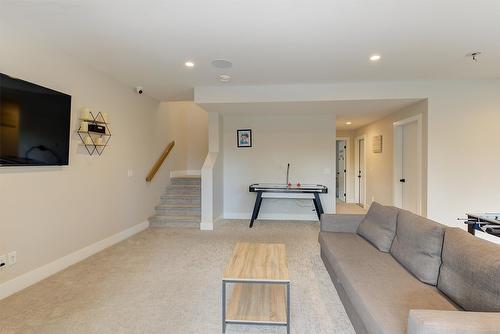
(159, 162)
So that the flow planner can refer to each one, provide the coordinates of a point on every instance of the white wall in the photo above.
(307, 142)
(188, 124)
(463, 136)
(212, 174)
(49, 212)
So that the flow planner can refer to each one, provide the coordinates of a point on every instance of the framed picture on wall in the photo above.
(244, 137)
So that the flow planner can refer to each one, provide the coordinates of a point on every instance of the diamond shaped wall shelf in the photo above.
(94, 131)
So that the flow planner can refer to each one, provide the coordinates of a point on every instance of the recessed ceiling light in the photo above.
(189, 64)
(375, 58)
(224, 78)
(348, 123)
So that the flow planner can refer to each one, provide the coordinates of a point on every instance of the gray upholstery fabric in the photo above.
(417, 246)
(379, 226)
(354, 317)
(470, 273)
(380, 290)
(340, 222)
(455, 322)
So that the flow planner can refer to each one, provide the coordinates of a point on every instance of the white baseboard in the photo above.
(189, 172)
(209, 226)
(273, 216)
(21, 282)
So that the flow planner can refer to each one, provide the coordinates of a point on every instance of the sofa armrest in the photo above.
(452, 322)
(340, 222)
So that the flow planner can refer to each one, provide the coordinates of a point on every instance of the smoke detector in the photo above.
(224, 78)
(222, 63)
(474, 55)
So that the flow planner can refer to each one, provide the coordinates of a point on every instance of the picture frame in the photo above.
(244, 138)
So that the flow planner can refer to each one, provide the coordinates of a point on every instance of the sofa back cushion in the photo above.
(417, 246)
(379, 226)
(470, 273)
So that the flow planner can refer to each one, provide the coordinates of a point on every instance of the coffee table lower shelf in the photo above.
(258, 304)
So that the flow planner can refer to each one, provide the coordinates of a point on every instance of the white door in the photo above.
(341, 170)
(409, 168)
(361, 172)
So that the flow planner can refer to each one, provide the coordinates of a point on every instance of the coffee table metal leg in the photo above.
(223, 306)
(288, 308)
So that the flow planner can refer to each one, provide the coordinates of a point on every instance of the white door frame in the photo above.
(347, 165)
(356, 164)
(398, 156)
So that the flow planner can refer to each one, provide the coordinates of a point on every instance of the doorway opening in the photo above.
(370, 128)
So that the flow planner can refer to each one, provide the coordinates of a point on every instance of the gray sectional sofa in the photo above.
(397, 272)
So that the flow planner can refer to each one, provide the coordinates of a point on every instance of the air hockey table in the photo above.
(485, 222)
(277, 190)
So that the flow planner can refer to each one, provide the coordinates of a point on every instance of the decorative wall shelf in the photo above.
(94, 131)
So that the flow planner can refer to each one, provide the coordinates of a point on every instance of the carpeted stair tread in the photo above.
(180, 205)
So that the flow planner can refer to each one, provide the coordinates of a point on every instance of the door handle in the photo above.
(402, 180)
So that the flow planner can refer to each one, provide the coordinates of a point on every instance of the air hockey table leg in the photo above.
(318, 206)
(256, 208)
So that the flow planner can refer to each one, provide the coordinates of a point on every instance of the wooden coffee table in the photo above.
(261, 290)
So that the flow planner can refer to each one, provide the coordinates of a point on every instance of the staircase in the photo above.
(180, 205)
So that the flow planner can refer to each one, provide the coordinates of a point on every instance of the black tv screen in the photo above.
(34, 124)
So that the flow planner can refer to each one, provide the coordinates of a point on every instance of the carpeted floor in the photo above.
(169, 281)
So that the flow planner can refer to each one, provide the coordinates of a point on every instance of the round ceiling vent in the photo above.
(222, 63)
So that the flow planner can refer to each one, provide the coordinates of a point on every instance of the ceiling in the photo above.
(145, 43)
(359, 112)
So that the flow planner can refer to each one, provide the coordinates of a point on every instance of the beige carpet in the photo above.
(168, 281)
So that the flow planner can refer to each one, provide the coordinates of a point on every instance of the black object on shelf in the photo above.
(98, 131)
(97, 128)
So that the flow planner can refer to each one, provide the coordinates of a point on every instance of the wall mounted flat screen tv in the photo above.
(34, 124)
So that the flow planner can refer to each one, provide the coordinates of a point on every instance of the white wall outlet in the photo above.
(3, 261)
(12, 258)
(130, 172)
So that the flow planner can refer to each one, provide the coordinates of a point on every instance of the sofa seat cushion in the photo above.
(417, 246)
(470, 273)
(379, 226)
(381, 291)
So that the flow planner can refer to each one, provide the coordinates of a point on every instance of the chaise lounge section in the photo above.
(397, 272)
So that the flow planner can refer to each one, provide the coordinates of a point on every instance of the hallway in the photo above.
(349, 208)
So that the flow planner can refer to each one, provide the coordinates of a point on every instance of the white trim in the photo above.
(347, 189)
(188, 172)
(356, 163)
(272, 216)
(206, 226)
(398, 139)
(22, 282)
(209, 226)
